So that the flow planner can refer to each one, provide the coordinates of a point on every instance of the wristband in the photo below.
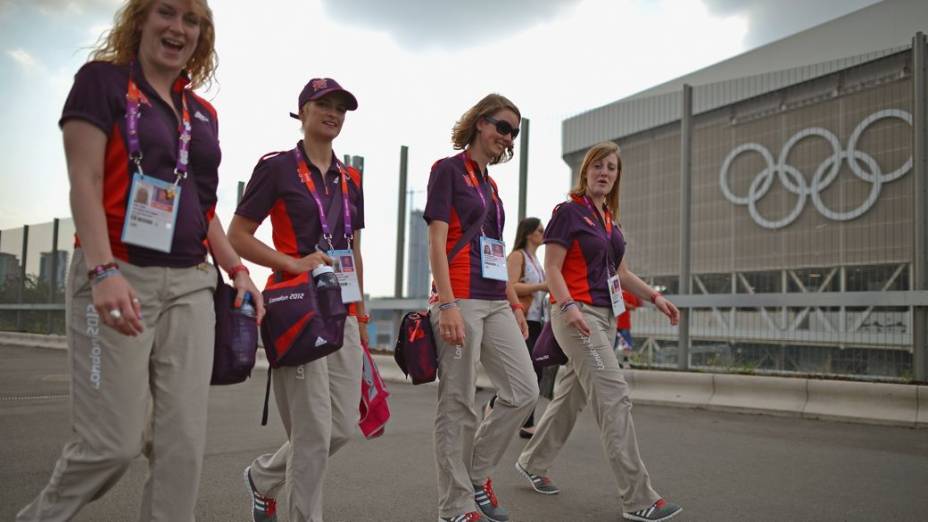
(655, 295)
(447, 306)
(99, 277)
(517, 306)
(98, 270)
(236, 269)
(566, 306)
(363, 318)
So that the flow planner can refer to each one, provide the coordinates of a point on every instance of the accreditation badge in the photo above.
(615, 295)
(347, 273)
(151, 214)
(493, 259)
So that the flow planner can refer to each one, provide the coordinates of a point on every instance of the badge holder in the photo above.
(493, 259)
(615, 295)
(347, 273)
(151, 215)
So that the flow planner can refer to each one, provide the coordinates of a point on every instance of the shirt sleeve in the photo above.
(440, 189)
(89, 99)
(560, 227)
(261, 193)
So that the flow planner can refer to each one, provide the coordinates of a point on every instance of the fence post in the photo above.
(920, 168)
(53, 276)
(401, 225)
(686, 199)
(523, 168)
(22, 279)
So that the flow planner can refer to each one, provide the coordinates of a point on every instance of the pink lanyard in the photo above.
(134, 113)
(469, 166)
(303, 171)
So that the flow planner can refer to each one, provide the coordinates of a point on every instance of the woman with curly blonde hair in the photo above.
(476, 313)
(140, 319)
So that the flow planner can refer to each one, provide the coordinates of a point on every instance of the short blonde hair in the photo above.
(465, 129)
(596, 153)
(121, 43)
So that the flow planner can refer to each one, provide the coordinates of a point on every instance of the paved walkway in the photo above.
(720, 467)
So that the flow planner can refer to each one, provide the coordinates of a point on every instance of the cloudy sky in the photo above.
(414, 65)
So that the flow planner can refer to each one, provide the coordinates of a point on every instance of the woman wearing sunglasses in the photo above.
(476, 313)
(584, 250)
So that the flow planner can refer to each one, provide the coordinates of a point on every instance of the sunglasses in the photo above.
(503, 127)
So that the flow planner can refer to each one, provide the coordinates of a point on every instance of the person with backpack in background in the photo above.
(584, 258)
(318, 401)
(475, 313)
(528, 280)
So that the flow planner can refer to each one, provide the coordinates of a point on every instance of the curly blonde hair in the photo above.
(599, 152)
(465, 129)
(121, 43)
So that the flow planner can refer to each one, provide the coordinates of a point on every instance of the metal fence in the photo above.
(34, 263)
(789, 223)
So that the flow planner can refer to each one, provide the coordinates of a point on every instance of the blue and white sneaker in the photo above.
(488, 504)
(660, 510)
(263, 509)
(540, 483)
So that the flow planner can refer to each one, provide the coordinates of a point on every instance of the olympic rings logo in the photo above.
(794, 181)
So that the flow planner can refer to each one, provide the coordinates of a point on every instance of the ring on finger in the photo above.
(116, 314)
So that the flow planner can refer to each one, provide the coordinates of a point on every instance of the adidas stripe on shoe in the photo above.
(263, 509)
(540, 484)
(656, 512)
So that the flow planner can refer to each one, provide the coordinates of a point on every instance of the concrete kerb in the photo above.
(921, 418)
(759, 394)
(871, 403)
(29, 340)
(670, 388)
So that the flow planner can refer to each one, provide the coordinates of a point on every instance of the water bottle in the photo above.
(324, 277)
(248, 308)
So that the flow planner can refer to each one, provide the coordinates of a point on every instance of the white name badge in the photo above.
(615, 294)
(347, 273)
(493, 259)
(152, 213)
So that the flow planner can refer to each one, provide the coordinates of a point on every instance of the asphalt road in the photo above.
(719, 466)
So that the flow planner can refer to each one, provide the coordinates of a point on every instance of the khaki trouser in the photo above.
(123, 386)
(466, 453)
(592, 375)
(318, 404)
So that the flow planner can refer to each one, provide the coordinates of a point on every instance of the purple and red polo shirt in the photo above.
(582, 232)
(275, 190)
(98, 97)
(452, 198)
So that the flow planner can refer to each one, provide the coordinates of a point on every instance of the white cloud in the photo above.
(23, 58)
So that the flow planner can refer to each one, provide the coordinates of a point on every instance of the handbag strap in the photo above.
(470, 233)
(267, 395)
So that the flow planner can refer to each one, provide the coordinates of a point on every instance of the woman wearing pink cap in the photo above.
(318, 401)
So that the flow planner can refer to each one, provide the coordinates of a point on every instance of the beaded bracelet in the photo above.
(96, 271)
(105, 274)
(447, 306)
